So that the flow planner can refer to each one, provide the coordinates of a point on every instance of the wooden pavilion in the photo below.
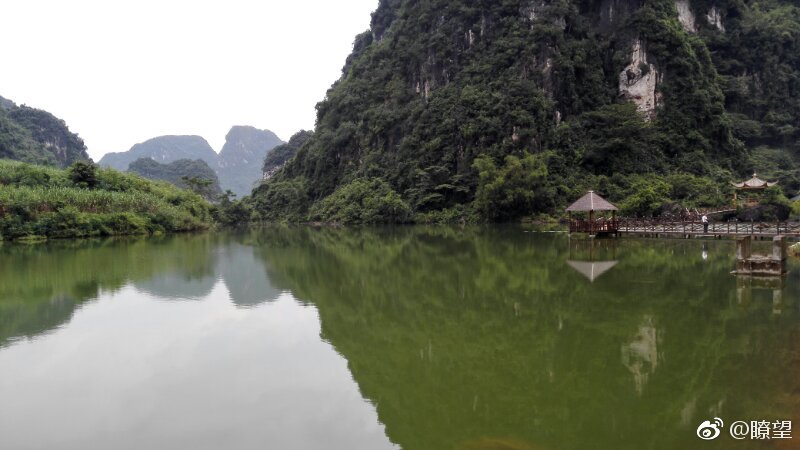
(592, 203)
(751, 190)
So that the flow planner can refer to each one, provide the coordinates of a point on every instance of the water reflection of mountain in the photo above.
(468, 339)
(235, 264)
(245, 276)
(41, 286)
(20, 319)
(471, 339)
(177, 286)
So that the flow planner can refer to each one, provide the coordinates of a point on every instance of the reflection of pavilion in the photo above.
(746, 284)
(592, 258)
(592, 269)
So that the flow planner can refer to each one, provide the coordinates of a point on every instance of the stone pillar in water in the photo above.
(770, 265)
(779, 248)
(743, 253)
(743, 250)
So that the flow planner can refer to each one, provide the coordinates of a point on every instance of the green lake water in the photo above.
(390, 338)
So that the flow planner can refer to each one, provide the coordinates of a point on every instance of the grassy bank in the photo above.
(83, 201)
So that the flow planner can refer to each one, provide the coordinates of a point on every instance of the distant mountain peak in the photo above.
(242, 157)
(163, 149)
(238, 165)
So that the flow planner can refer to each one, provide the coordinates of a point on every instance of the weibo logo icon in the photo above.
(709, 430)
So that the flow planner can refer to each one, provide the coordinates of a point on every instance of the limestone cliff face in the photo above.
(714, 18)
(614, 13)
(685, 15)
(435, 85)
(639, 81)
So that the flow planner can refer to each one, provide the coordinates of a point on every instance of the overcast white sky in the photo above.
(121, 72)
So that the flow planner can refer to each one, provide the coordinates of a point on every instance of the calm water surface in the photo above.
(404, 338)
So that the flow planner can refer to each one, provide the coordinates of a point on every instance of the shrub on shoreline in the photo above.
(54, 203)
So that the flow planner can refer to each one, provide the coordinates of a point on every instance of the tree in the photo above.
(200, 186)
(513, 190)
(83, 174)
(226, 198)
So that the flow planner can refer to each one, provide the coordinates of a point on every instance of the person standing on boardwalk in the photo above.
(704, 219)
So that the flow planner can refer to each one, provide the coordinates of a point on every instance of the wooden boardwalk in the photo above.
(715, 229)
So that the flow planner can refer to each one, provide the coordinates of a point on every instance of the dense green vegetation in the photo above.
(438, 95)
(758, 59)
(82, 201)
(279, 155)
(36, 136)
(181, 173)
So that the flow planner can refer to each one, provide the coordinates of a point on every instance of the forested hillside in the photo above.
(485, 110)
(36, 136)
(190, 174)
(281, 154)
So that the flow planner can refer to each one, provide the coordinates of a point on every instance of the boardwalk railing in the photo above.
(594, 226)
(666, 226)
(697, 213)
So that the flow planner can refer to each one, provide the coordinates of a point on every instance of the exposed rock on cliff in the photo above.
(714, 18)
(685, 15)
(639, 81)
(614, 13)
